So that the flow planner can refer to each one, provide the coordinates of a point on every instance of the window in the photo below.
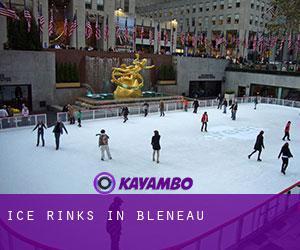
(238, 3)
(187, 22)
(193, 21)
(252, 4)
(200, 21)
(88, 4)
(261, 24)
(201, 8)
(251, 20)
(182, 11)
(207, 6)
(215, 5)
(229, 4)
(194, 8)
(126, 6)
(221, 20)
(257, 5)
(206, 22)
(188, 10)
(229, 19)
(236, 18)
(222, 5)
(100, 4)
(213, 20)
(256, 21)
(262, 7)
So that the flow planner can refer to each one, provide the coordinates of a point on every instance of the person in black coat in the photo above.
(125, 113)
(259, 145)
(146, 108)
(40, 133)
(58, 130)
(286, 154)
(234, 108)
(196, 106)
(156, 145)
(225, 104)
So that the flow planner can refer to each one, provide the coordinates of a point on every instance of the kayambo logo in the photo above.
(105, 183)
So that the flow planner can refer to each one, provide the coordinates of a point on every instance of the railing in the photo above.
(246, 224)
(21, 121)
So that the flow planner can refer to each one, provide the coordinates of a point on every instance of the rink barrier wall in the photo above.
(115, 110)
(244, 225)
(21, 121)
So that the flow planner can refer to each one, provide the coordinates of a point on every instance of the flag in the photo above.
(290, 44)
(158, 36)
(220, 40)
(142, 32)
(260, 43)
(27, 17)
(298, 41)
(282, 43)
(88, 28)
(182, 38)
(97, 30)
(166, 36)
(51, 23)
(134, 35)
(73, 26)
(194, 39)
(4, 11)
(273, 41)
(65, 25)
(255, 42)
(151, 34)
(126, 34)
(118, 31)
(41, 19)
(106, 30)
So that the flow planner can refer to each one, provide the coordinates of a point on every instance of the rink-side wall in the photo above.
(245, 79)
(195, 69)
(30, 68)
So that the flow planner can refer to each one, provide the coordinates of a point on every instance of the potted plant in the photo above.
(229, 95)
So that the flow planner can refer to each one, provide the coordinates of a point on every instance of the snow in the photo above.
(217, 160)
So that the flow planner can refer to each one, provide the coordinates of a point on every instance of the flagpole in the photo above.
(76, 30)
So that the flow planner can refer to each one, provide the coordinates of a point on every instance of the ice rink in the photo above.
(217, 160)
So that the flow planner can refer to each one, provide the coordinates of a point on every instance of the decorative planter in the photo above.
(166, 82)
(229, 97)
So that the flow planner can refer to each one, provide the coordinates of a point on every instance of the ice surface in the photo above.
(217, 161)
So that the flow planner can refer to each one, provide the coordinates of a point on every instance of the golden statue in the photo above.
(128, 79)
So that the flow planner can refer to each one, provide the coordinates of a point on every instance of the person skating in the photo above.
(259, 145)
(155, 142)
(255, 102)
(40, 132)
(79, 117)
(219, 99)
(146, 108)
(162, 108)
(71, 113)
(125, 113)
(103, 144)
(185, 105)
(195, 106)
(234, 108)
(204, 121)
(225, 104)
(58, 131)
(286, 154)
(287, 131)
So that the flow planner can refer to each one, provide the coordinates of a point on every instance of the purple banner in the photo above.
(149, 221)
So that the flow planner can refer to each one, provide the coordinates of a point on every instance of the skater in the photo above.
(103, 144)
(71, 112)
(255, 102)
(125, 113)
(58, 131)
(287, 131)
(79, 117)
(225, 104)
(25, 111)
(204, 121)
(286, 154)
(40, 133)
(259, 145)
(162, 108)
(219, 99)
(3, 112)
(156, 145)
(195, 106)
(146, 109)
(234, 108)
(185, 105)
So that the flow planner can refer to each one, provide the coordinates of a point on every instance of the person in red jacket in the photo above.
(204, 121)
(287, 131)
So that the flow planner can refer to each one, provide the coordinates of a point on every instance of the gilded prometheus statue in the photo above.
(128, 79)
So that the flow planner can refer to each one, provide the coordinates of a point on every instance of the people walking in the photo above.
(146, 109)
(125, 113)
(204, 121)
(287, 131)
(162, 108)
(155, 142)
(40, 132)
(285, 154)
(259, 145)
(234, 108)
(195, 106)
(225, 104)
(103, 144)
(58, 131)
(79, 117)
